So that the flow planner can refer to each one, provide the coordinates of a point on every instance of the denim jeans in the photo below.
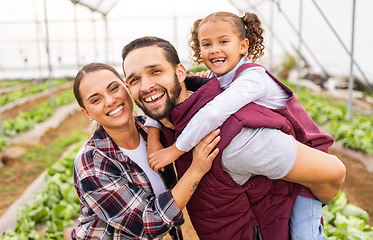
(305, 219)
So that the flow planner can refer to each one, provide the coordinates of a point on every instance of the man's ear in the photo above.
(181, 72)
(244, 46)
(86, 113)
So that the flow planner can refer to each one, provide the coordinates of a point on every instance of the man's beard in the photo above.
(171, 98)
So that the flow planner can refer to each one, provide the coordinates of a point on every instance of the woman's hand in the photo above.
(203, 153)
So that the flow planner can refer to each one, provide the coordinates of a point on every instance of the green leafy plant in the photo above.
(12, 83)
(345, 221)
(55, 206)
(21, 93)
(27, 120)
(356, 134)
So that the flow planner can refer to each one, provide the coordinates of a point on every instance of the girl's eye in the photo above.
(205, 44)
(223, 41)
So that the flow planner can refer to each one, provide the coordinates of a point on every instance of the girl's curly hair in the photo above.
(248, 26)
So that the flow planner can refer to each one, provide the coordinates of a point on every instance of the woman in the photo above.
(121, 197)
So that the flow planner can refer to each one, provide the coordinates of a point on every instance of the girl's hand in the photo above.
(203, 74)
(203, 153)
(161, 158)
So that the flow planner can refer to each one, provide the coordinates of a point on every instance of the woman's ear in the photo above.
(86, 113)
(181, 72)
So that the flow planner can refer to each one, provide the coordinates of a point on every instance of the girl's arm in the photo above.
(248, 87)
(154, 143)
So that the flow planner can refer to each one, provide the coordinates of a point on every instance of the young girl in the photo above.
(228, 45)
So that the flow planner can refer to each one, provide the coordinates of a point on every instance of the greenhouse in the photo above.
(319, 51)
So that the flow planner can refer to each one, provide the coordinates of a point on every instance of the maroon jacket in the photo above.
(306, 131)
(220, 208)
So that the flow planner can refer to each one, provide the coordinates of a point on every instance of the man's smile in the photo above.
(153, 97)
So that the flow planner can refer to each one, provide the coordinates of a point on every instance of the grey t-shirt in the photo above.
(264, 151)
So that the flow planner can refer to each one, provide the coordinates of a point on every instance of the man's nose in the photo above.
(146, 84)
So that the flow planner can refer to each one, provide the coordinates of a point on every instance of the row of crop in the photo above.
(57, 205)
(12, 83)
(27, 120)
(355, 134)
(30, 90)
(345, 221)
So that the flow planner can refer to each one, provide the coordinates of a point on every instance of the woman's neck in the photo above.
(126, 136)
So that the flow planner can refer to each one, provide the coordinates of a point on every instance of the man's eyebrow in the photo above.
(95, 94)
(146, 67)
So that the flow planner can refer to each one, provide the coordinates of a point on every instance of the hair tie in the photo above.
(243, 18)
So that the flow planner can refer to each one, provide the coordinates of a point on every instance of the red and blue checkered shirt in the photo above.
(117, 200)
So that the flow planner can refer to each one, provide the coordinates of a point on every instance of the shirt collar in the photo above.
(227, 78)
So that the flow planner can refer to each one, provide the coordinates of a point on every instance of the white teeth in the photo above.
(115, 111)
(152, 98)
(218, 60)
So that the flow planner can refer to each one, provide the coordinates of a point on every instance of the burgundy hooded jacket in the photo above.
(260, 209)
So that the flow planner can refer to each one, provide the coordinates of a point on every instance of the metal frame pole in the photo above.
(271, 23)
(341, 42)
(300, 45)
(351, 79)
(48, 55)
(106, 40)
(77, 52)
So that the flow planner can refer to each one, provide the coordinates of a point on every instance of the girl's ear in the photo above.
(181, 72)
(86, 113)
(244, 46)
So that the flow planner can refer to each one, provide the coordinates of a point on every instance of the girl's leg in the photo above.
(305, 219)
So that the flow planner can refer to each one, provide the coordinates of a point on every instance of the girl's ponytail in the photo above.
(254, 32)
(194, 43)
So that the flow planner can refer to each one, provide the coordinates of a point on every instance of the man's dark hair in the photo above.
(169, 49)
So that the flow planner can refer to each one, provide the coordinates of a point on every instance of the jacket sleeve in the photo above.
(105, 190)
(245, 89)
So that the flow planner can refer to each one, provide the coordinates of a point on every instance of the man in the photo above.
(221, 208)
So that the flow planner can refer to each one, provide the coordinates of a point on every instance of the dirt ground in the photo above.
(15, 175)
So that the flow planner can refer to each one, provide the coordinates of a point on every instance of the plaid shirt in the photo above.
(117, 201)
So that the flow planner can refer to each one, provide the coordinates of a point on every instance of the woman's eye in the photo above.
(114, 88)
(96, 100)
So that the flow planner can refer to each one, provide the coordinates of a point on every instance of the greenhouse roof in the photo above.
(101, 6)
